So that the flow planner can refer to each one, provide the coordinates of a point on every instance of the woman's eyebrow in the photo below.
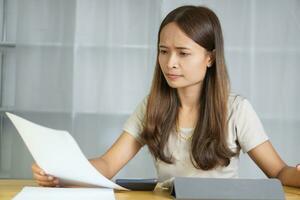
(178, 47)
(163, 46)
(183, 48)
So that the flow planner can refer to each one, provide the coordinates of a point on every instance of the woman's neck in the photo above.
(189, 97)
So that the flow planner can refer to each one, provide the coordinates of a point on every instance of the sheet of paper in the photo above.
(58, 154)
(43, 193)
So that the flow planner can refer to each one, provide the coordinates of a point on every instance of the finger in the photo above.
(36, 169)
(46, 183)
(43, 178)
(298, 167)
(54, 183)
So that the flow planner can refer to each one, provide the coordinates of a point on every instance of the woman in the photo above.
(191, 123)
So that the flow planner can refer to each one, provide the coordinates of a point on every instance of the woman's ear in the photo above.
(212, 58)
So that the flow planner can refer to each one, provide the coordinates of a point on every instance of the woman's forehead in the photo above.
(171, 36)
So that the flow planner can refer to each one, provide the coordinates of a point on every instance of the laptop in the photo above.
(188, 188)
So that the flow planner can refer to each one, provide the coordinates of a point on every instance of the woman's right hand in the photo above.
(42, 178)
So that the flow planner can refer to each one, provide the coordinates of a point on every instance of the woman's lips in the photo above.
(173, 76)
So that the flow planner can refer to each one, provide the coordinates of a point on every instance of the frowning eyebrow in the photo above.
(178, 47)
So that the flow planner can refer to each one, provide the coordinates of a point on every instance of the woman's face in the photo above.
(182, 61)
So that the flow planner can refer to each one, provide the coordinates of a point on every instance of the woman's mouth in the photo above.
(173, 76)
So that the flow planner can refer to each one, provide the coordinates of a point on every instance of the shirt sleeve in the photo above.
(134, 125)
(249, 129)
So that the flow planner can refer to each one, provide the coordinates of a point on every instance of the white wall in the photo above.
(79, 66)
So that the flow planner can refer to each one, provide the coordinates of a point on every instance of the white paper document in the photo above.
(43, 193)
(58, 154)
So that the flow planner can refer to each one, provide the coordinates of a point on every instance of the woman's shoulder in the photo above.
(235, 99)
(141, 107)
(235, 102)
(239, 105)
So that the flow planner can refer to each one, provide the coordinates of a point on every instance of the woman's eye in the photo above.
(183, 54)
(162, 51)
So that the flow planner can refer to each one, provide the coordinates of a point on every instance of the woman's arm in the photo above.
(267, 159)
(123, 150)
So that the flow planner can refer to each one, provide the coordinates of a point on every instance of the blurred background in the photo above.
(83, 66)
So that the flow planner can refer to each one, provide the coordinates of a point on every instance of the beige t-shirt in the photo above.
(245, 132)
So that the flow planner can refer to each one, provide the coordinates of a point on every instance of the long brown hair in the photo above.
(208, 146)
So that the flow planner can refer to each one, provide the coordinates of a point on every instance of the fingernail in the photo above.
(50, 178)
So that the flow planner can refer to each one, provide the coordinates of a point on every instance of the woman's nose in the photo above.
(172, 61)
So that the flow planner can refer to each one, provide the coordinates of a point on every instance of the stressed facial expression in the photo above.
(182, 61)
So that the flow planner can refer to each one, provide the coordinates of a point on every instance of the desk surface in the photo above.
(9, 188)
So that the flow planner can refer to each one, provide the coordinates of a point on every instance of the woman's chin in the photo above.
(174, 85)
